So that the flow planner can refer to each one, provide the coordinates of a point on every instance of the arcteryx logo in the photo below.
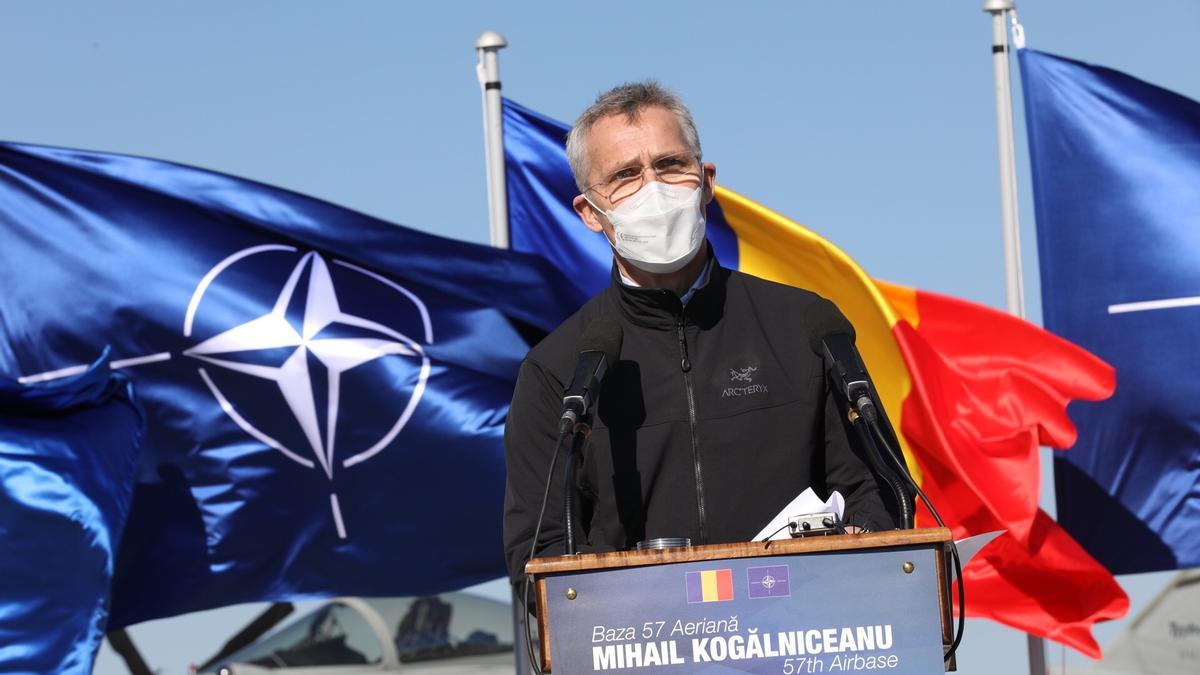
(743, 376)
(305, 349)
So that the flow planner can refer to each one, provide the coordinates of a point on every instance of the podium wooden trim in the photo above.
(937, 538)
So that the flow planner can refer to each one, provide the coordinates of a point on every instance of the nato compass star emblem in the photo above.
(304, 345)
(770, 581)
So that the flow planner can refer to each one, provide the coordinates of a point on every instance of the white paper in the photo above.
(967, 548)
(808, 502)
(804, 503)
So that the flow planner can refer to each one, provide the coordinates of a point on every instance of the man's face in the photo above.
(615, 143)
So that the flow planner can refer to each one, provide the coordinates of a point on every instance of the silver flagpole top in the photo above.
(490, 39)
(990, 6)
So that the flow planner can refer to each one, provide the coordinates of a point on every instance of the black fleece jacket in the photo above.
(716, 415)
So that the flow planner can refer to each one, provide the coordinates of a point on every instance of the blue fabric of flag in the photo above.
(68, 457)
(541, 219)
(325, 391)
(1116, 182)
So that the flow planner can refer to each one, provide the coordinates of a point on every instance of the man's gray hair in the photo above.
(628, 99)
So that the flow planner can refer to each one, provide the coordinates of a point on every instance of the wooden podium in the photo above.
(840, 599)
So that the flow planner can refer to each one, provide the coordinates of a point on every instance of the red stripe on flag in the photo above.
(724, 584)
(1048, 586)
(988, 388)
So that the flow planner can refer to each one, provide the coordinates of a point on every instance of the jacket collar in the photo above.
(660, 308)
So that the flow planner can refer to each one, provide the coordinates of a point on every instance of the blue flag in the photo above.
(541, 219)
(325, 391)
(68, 456)
(1116, 183)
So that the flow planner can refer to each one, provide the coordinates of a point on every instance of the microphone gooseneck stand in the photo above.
(879, 433)
(872, 430)
(599, 346)
(579, 434)
(865, 422)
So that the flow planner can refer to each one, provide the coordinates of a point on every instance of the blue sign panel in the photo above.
(814, 613)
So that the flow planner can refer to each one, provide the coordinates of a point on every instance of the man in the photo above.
(717, 413)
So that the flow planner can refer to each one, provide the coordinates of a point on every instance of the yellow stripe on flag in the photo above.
(775, 248)
(902, 299)
(708, 585)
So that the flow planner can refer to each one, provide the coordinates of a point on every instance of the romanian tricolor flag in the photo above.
(974, 390)
(709, 585)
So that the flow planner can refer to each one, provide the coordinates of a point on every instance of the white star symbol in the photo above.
(336, 354)
(768, 582)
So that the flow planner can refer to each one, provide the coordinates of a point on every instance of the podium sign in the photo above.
(833, 612)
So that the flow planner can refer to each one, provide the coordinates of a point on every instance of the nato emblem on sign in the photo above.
(305, 377)
(768, 582)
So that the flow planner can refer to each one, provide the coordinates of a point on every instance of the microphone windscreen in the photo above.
(824, 320)
(601, 335)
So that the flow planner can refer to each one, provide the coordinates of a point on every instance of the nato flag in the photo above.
(1116, 186)
(325, 391)
(68, 454)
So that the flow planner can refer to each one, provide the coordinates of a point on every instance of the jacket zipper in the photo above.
(686, 366)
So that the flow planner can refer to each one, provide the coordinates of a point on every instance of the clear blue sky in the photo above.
(871, 122)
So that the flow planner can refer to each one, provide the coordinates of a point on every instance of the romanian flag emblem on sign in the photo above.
(972, 391)
(709, 586)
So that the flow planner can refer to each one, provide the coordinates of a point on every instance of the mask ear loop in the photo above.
(594, 207)
(611, 244)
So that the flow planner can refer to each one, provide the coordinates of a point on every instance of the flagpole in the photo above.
(1014, 293)
(487, 69)
(487, 47)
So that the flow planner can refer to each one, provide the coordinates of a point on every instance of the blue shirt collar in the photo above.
(701, 279)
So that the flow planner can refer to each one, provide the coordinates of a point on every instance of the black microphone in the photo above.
(832, 338)
(598, 348)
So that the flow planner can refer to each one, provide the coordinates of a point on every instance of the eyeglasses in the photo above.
(625, 182)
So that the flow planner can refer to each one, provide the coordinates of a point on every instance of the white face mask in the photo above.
(660, 228)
